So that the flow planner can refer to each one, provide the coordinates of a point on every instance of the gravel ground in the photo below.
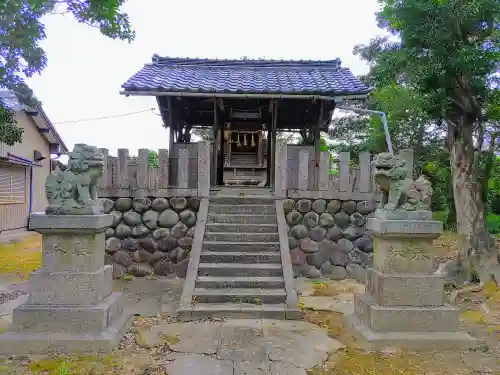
(10, 295)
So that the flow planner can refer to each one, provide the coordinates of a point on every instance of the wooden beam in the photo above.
(317, 138)
(273, 141)
(214, 169)
(220, 166)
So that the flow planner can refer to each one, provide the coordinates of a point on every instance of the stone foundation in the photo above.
(150, 236)
(328, 238)
(71, 307)
(404, 303)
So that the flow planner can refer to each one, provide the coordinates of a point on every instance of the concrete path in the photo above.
(239, 347)
(224, 347)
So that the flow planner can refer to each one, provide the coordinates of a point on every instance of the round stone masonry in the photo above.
(328, 238)
(150, 236)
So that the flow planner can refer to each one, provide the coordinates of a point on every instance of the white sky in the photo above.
(86, 69)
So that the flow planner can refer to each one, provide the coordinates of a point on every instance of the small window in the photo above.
(12, 184)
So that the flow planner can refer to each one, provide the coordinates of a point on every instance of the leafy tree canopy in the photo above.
(21, 32)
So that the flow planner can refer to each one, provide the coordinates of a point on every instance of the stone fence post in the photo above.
(203, 169)
(280, 166)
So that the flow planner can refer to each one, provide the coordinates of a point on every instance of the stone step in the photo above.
(234, 310)
(238, 200)
(240, 257)
(263, 282)
(241, 228)
(239, 295)
(242, 237)
(241, 246)
(444, 318)
(240, 269)
(242, 209)
(241, 219)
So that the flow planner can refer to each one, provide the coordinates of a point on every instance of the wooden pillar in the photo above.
(213, 167)
(273, 142)
(228, 146)
(172, 156)
(259, 148)
(220, 179)
(317, 138)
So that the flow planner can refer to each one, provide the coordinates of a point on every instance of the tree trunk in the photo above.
(477, 247)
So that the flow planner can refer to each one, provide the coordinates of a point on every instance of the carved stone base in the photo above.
(79, 210)
(71, 307)
(404, 301)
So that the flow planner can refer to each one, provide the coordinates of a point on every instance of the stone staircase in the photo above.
(243, 159)
(240, 273)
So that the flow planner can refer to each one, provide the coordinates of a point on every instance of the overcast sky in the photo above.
(86, 69)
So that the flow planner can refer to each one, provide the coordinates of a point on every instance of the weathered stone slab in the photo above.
(241, 340)
(411, 228)
(298, 344)
(405, 289)
(403, 255)
(70, 288)
(250, 368)
(199, 365)
(400, 214)
(409, 340)
(43, 223)
(68, 319)
(405, 318)
(199, 338)
(72, 252)
(278, 368)
(19, 343)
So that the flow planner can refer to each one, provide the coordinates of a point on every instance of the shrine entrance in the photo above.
(245, 156)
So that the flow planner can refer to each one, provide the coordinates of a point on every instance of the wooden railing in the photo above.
(298, 175)
(177, 174)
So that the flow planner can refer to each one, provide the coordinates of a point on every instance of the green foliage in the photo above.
(493, 223)
(21, 32)
(153, 159)
(441, 216)
(448, 52)
(438, 83)
(10, 133)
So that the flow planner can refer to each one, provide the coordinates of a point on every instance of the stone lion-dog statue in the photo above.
(397, 190)
(74, 191)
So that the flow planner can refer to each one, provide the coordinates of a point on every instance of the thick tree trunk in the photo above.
(477, 248)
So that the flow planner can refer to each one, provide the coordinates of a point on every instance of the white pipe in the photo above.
(242, 96)
(383, 118)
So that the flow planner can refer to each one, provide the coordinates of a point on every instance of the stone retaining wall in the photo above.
(150, 236)
(327, 238)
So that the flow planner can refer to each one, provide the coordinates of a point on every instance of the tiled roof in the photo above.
(11, 101)
(325, 78)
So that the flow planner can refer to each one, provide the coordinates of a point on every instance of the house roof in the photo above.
(209, 76)
(38, 116)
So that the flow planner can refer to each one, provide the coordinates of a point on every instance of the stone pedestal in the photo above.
(404, 301)
(71, 306)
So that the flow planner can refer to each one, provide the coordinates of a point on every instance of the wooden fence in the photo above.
(185, 172)
(298, 175)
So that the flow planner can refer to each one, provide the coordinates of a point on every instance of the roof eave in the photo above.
(46, 127)
(335, 97)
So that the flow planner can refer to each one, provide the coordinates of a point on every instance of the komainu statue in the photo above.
(399, 191)
(74, 191)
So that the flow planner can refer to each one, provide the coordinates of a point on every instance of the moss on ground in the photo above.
(354, 360)
(20, 258)
(330, 289)
(84, 365)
